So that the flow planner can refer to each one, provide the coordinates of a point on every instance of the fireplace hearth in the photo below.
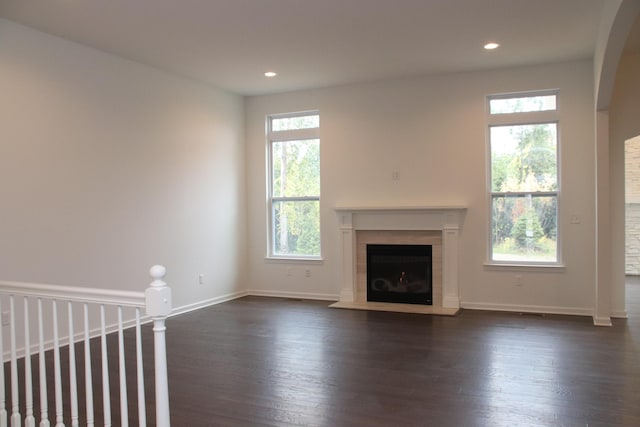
(399, 274)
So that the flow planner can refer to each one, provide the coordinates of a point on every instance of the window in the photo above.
(523, 144)
(294, 185)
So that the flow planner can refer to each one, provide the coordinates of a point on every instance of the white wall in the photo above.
(432, 130)
(108, 167)
(604, 57)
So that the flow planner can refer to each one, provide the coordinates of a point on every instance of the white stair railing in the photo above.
(42, 315)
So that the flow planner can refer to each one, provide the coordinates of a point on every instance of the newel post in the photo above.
(158, 302)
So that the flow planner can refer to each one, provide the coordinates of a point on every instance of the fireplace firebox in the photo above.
(399, 274)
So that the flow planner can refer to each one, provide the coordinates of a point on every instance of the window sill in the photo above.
(294, 260)
(551, 268)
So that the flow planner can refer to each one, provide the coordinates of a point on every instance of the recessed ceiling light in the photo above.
(270, 74)
(491, 46)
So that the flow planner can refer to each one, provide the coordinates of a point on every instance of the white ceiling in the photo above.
(317, 43)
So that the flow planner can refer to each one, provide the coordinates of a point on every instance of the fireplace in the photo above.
(399, 274)
(435, 226)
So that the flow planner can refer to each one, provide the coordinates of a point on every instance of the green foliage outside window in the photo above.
(524, 182)
(295, 180)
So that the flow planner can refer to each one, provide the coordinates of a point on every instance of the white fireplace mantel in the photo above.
(447, 219)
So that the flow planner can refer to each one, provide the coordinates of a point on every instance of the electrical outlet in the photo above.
(395, 175)
(307, 273)
(201, 279)
(518, 279)
(6, 318)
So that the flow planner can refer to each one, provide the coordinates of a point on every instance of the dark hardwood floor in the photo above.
(277, 362)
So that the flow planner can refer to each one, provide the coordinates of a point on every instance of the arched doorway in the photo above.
(617, 109)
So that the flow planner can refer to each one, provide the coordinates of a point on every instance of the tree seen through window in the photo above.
(295, 185)
(524, 188)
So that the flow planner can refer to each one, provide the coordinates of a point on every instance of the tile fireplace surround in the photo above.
(438, 226)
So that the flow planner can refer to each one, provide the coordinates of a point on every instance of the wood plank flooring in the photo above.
(276, 362)
(280, 362)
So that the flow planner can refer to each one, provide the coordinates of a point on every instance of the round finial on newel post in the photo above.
(157, 273)
(158, 294)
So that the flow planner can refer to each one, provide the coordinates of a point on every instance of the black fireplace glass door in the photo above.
(399, 274)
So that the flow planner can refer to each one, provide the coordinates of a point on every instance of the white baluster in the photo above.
(29, 420)
(42, 371)
(73, 386)
(88, 379)
(124, 410)
(106, 402)
(15, 403)
(3, 407)
(142, 414)
(56, 366)
(158, 303)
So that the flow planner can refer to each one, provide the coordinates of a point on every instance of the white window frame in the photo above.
(280, 136)
(515, 119)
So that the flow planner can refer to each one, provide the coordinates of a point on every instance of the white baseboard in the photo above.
(207, 303)
(619, 314)
(601, 321)
(572, 311)
(297, 295)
